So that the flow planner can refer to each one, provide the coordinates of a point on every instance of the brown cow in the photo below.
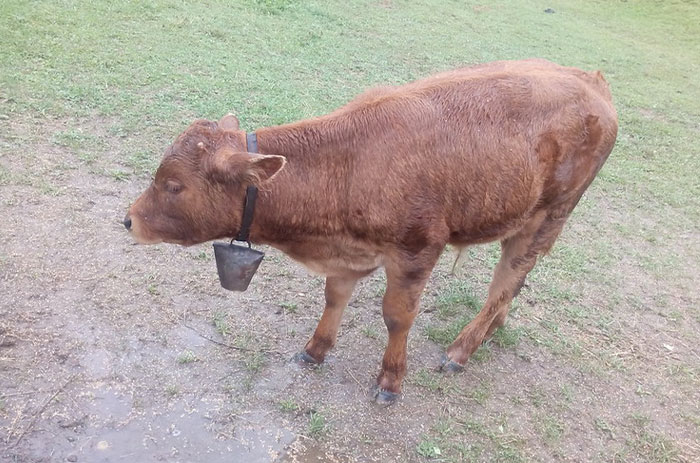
(501, 151)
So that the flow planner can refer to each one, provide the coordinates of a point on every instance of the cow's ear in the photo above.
(230, 166)
(262, 167)
(229, 122)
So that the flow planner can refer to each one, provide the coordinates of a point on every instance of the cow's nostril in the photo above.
(127, 223)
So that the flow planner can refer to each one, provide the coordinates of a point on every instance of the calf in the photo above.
(501, 151)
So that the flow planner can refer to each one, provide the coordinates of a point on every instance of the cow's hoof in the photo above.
(449, 366)
(383, 397)
(302, 358)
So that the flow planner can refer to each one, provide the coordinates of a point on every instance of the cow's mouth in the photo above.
(137, 231)
(145, 241)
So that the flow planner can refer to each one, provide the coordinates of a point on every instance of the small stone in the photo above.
(72, 457)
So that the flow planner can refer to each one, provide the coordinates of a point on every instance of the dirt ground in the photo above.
(113, 352)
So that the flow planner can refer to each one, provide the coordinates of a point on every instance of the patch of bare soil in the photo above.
(113, 352)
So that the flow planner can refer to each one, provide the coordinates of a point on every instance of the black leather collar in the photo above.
(252, 142)
(251, 195)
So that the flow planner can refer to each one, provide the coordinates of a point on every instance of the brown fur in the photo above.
(501, 151)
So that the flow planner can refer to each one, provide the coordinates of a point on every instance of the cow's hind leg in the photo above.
(518, 256)
(338, 293)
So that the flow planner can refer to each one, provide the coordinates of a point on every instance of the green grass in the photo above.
(604, 427)
(506, 337)
(71, 59)
(456, 306)
(119, 175)
(290, 307)
(479, 393)
(186, 356)
(142, 162)
(649, 445)
(79, 63)
(435, 382)
(221, 324)
(254, 362)
(172, 391)
(550, 428)
(288, 405)
(74, 138)
(471, 439)
(370, 332)
(5, 175)
(427, 379)
(428, 449)
(317, 426)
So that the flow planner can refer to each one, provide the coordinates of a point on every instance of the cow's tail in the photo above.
(459, 260)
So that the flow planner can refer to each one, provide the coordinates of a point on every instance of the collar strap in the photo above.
(251, 195)
(252, 142)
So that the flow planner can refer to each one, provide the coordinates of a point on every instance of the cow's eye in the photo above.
(173, 187)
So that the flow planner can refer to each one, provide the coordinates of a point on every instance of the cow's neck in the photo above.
(304, 200)
(304, 142)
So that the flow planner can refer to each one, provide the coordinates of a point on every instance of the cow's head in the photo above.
(198, 190)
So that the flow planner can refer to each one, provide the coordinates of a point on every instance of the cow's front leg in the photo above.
(338, 292)
(405, 283)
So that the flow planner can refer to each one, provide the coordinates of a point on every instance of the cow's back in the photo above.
(480, 147)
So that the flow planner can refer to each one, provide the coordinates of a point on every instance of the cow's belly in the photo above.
(336, 258)
(486, 232)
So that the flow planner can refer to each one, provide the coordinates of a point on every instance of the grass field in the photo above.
(110, 351)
